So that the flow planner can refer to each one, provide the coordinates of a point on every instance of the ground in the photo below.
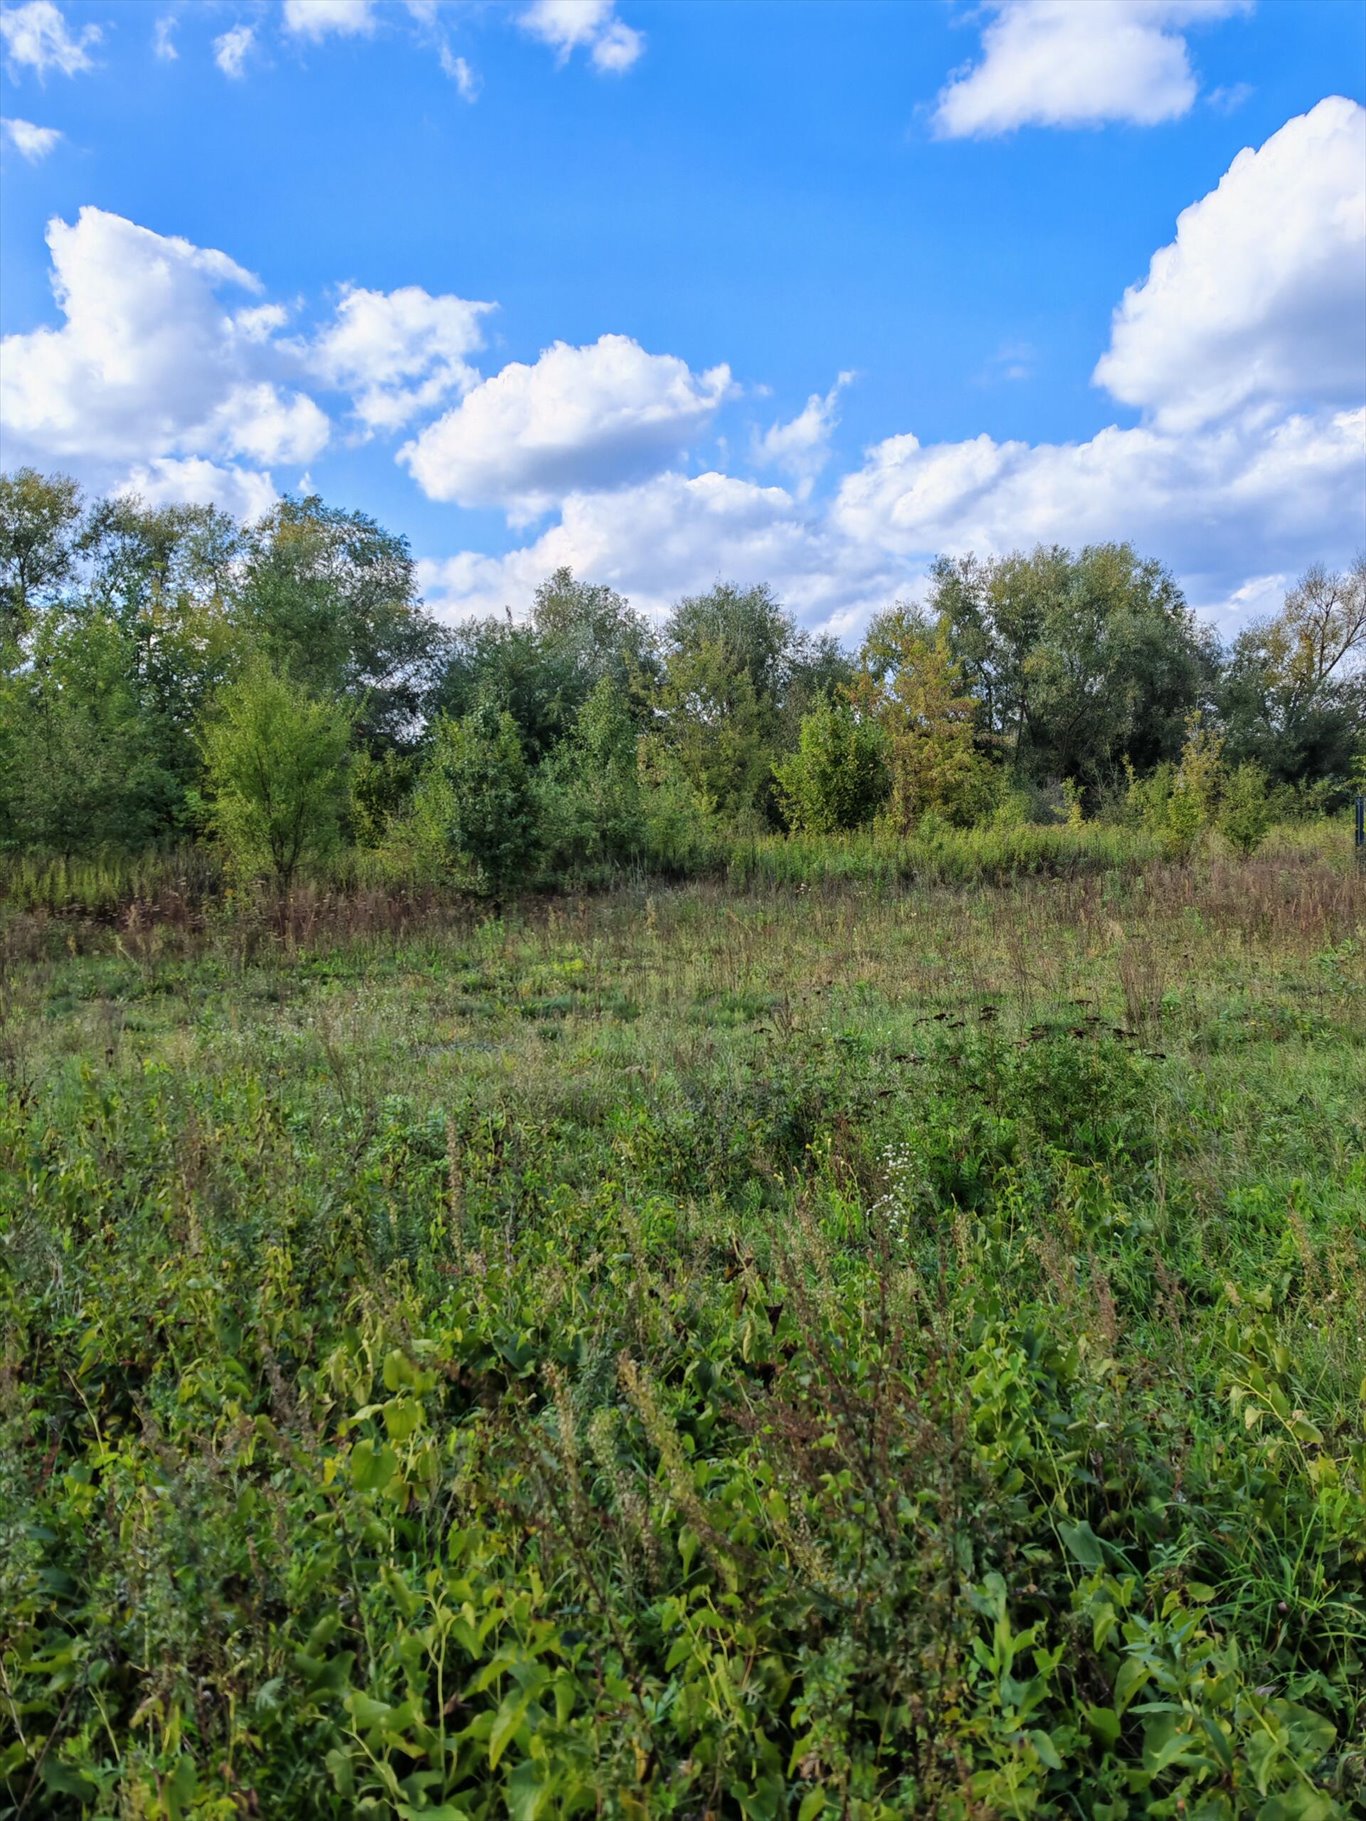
(848, 1348)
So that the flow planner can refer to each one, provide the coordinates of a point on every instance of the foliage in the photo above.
(866, 1352)
(80, 765)
(39, 520)
(482, 780)
(330, 597)
(1245, 814)
(276, 764)
(1076, 660)
(837, 778)
(914, 690)
(589, 792)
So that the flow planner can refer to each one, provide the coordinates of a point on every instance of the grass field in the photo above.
(836, 1348)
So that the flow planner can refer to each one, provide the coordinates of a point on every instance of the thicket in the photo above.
(275, 693)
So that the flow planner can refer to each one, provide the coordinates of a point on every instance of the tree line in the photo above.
(168, 674)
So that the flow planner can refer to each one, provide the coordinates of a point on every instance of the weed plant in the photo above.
(821, 1341)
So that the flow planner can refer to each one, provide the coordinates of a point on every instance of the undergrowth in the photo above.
(869, 1352)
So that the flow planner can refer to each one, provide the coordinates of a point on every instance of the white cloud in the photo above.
(802, 445)
(400, 352)
(36, 37)
(147, 363)
(243, 492)
(230, 51)
(162, 45)
(578, 420)
(318, 19)
(1222, 502)
(460, 73)
(1077, 63)
(672, 535)
(31, 142)
(1261, 298)
(591, 25)
(1228, 511)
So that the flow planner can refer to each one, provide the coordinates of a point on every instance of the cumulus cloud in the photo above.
(148, 364)
(318, 19)
(32, 143)
(674, 534)
(802, 445)
(1224, 501)
(1225, 511)
(1261, 298)
(1078, 63)
(245, 493)
(577, 420)
(591, 25)
(230, 51)
(163, 45)
(37, 37)
(400, 353)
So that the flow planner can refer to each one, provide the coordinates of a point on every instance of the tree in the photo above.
(1179, 803)
(79, 765)
(1076, 661)
(276, 765)
(331, 597)
(544, 669)
(734, 665)
(1293, 696)
(837, 778)
(1245, 815)
(481, 783)
(39, 520)
(588, 790)
(913, 686)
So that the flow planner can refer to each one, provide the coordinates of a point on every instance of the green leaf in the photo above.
(1082, 1544)
(509, 1717)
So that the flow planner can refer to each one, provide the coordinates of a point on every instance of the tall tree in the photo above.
(912, 685)
(1292, 699)
(80, 768)
(331, 597)
(40, 518)
(738, 672)
(1077, 661)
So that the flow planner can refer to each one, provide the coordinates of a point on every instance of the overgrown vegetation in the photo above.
(276, 693)
(726, 1350)
(629, 1221)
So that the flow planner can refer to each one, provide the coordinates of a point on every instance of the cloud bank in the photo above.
(1241, 351)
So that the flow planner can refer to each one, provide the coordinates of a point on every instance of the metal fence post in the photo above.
(1361, 831)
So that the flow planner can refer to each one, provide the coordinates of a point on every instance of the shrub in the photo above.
(276, 764)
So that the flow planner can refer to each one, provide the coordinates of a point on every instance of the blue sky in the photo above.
(791, 292)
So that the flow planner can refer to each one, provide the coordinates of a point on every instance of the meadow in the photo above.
(853, 1336)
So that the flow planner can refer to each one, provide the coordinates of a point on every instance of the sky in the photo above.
(676, 291)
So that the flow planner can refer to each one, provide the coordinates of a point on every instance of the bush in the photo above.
(276, 765)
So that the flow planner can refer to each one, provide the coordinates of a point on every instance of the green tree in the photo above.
(1292, 698)
(1245, 814)
(331, 597)
(913, 686)
(1076, 660)
(79, 764)
(837, 778)
(276, 765)
(543, 670)
(482, 785)
(738, 676)
(1179, 803)
(589, 793)
(40, 517)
